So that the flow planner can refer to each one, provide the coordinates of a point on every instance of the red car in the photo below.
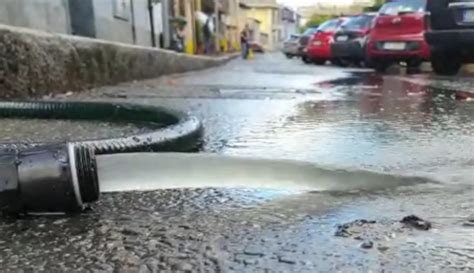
(318, 49)
(398, 35)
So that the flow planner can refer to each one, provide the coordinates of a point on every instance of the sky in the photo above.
(296, 3)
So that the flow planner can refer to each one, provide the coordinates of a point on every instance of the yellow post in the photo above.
(199, 5)
(251, 56)
(189, 44)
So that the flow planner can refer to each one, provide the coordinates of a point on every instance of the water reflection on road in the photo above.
(371, 122)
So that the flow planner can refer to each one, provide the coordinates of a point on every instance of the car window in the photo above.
(330, 25)
(403, 6)
(359, 22)
(309, 31)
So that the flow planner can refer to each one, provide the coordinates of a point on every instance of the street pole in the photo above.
(216, 12)
(152, 22)
(165, 11)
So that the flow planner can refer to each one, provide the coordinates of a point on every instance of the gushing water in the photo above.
(153, 171)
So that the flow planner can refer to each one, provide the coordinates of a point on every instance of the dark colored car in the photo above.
(318, 49)
(450, 34)
(291, 47)
(304, 40)
(398, 35)
(350, 40)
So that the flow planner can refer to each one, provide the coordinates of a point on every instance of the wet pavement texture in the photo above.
(276, 108)
(40, 130)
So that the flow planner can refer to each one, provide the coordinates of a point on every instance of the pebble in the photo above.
(287, 259)
(416, 222)
(382, 248)
(253, 251)
(367, 245)
(469, 223)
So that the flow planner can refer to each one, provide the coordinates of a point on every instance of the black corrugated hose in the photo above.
(180, 132)
(36, 177)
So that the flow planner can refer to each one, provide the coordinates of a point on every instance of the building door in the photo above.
(82, 17)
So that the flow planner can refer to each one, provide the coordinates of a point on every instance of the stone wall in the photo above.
(48, 15)
(34, 64)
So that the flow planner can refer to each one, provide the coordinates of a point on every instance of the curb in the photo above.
(35, 64)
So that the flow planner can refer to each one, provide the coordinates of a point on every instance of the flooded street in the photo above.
(406, 142)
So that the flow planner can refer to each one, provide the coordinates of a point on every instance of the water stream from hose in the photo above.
(152, 171)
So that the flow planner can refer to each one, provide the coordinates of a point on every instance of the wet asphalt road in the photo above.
(272, 107)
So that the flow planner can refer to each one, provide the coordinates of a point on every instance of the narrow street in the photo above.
(417, 131)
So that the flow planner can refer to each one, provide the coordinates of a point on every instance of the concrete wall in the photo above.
(264, 15)
(34, 63)
(289, 28)
(142, 22)
(48, 15)
(54, 16)
(109, 27)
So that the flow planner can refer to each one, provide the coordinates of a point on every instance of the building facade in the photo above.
(140, 22)
(290, 22)
(269, 14)
(124, 21)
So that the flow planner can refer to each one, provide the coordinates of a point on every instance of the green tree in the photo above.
(377, 5)
(316, 20)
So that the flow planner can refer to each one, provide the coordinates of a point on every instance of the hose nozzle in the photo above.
(48, 179)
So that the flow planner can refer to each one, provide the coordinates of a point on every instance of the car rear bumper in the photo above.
(416, 46)
(349, 50)
(421, 51)
(291, 51)
(319, 52)
(451, 39)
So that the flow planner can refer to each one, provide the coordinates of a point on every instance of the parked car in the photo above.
(318, 49)
(304, 40)
(291, 46)
(350, 40)
(450, 34)
(397, 35)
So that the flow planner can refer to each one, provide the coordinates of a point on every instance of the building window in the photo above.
(122, 9)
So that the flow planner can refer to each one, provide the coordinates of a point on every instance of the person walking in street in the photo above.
(244, 44)
(207, 36)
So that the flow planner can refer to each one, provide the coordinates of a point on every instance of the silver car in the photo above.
(291, 46)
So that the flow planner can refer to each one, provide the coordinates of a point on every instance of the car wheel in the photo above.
(413, 67)
(289, 56)
(444, 63)
(306, 60)
(368, 62)
(340, 62)
(358, 63)
(381, 66)
(319, 61)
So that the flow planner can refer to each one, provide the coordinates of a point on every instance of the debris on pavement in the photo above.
(367, 245)
(469, 223)
(416, 222)
(347, 230)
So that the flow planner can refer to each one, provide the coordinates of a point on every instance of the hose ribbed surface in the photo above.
(181, 132)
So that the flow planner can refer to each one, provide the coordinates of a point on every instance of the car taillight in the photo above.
(427, 20)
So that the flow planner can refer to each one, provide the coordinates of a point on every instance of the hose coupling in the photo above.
(59, 178)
